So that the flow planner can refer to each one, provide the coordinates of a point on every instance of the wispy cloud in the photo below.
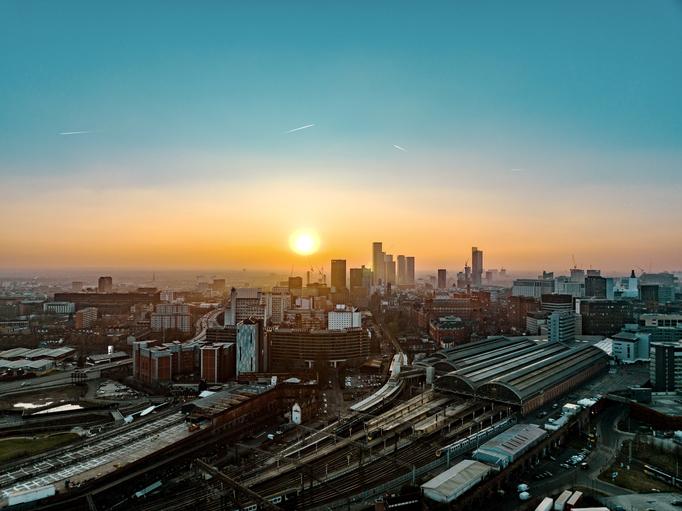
(300, 128)
(518, 170)
(76, 132)
(400, 148)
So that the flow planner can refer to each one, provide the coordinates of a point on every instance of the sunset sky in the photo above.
(534, 130)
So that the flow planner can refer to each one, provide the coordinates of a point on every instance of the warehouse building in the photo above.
(455, 481)
(509, 445)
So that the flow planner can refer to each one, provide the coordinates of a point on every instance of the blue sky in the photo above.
(579, 95)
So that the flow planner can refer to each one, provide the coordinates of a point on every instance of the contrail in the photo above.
(300, 128)
(75, 132)
(400, 148)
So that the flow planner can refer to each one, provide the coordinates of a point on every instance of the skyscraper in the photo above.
(409, 277)
(389, 269)
(378, 263)
(476, 266)
(105, 284)
(402, 269)
(442, 278)
(338, 274)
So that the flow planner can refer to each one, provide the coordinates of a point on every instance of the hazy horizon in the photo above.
(201, 136)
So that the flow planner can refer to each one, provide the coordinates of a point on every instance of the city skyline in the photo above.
(205, 141)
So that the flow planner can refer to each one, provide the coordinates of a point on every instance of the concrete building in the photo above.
(295, 283)
(442, 278)
(534, 288)
(85, 318)
(556, 302)
(662, 327)
(476, 266)
(276, 306)
(390, 269)
(105, 285)
(300, 349)
(604, 317)
(61, 308)
(402, 270)
(246, 303)
(338, 275)
(378, 263)
(665, 368)
(595, 286)
(171, 316)
(561, 326)
(250, 350)
(536, 323)
(342, 318)
(448, 331)
(217, 362)
(155, 365)
(409, 271)
(630, 346)
(565, 286)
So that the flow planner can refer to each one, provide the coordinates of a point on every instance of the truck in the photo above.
(560, 502)
(545, 505)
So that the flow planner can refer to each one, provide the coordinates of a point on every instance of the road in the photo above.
(608, 443)
(205, 322)
(57, 379)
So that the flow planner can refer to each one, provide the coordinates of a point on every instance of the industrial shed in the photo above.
(517, 371)
(459, 357)
(534, 384)
(452, 483)
(469, 378)
(506, 447)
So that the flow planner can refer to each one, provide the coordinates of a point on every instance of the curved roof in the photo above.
(529, 380)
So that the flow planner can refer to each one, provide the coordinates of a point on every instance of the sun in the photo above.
(304, 242)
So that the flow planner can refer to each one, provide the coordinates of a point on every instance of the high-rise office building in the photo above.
(77, 286)
(409, 270)
(476, 266)
(105, 284)
(561, 326)
(295, 283)
(85, 318)
(442, 278)
(665, 367)
(246, 303)
(402, 270)
(595, 286)
(390, 269)
(378, 263)
(249, 347)
(339, 274)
